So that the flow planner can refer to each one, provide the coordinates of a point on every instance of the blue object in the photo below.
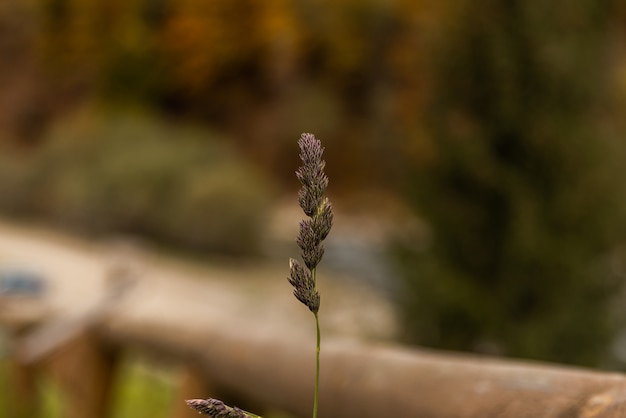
(17, 282)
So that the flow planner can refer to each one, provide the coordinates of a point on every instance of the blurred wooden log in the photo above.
(276, 367)
(83, 370)
(359, 380)
(193, 384)
(23, 396)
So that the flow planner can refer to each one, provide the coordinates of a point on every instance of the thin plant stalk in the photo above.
(317, 368)
(313, 230)
(317, 356)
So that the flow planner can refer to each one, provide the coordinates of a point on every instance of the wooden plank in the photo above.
(239, 348)
(193, 384)
(370, 381)
(23, 396)
(83, 370)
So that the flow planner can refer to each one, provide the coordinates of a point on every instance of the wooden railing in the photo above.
(230, 350)
(261, 371)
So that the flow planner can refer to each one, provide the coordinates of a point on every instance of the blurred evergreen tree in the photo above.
(523, 197)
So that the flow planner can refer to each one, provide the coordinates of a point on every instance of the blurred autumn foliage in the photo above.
(500, 122)
(358, 73)
(349, 70)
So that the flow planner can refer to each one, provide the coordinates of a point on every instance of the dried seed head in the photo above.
(323, 220)
(309, 241)
(216, 408)
(310, 149)
(311, 174)
(304, 286)
(314, 229)
(309, 200)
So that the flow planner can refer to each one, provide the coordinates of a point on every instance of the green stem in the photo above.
(317, 367)
(317, 355)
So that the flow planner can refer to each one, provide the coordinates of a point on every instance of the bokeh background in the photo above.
(490, 133)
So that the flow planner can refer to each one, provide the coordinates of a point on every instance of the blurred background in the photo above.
(476, 150)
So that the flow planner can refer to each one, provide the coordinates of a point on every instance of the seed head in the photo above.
(304, 286)
(310, 243)
(216, 408)
(311, 174)
(323, 220)
(315, 228)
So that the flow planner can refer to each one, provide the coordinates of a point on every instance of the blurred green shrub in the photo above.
(523, 190)
(143, 391)
(128, 173)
